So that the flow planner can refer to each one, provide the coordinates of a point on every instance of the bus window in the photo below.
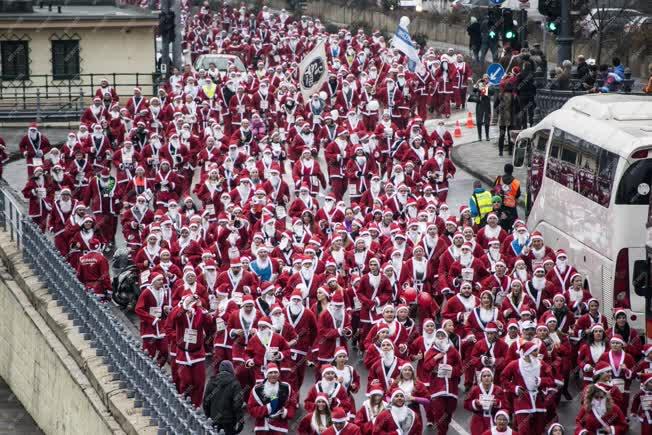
(634, 186)
(539, 142)
(606, 172)
(553, 169)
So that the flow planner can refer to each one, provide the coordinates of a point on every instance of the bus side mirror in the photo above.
(641, 278)
(519, 157)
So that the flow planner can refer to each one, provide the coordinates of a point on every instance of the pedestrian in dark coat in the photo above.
(223, 400)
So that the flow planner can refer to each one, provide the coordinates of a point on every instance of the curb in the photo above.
(459, 162)
(462, 164)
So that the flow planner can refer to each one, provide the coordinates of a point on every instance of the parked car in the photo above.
(608, 20)
(221, 61)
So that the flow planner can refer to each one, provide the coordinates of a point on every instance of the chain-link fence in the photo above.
(150, 387)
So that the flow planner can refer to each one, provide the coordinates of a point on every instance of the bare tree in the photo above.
(605, 19)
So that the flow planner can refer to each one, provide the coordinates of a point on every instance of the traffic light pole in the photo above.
(176, 44)
(165, 41)
(565, 37)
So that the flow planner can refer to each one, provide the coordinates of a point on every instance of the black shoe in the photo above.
(487, 138)
(500, 154)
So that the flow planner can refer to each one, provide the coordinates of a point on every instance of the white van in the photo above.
(589, 177)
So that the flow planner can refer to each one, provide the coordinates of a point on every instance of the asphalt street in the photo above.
(461, 187)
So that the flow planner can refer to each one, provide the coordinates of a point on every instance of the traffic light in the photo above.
(493, 20)
(552, 26)
(509, 31)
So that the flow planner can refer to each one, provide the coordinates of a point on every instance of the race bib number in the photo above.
(264, 105)
(219, 325)
(646, 402)
(241, 109)
(486, 400)
(237, 298)
(356, 303)
(144, 276)
(444, 371)
(155, 311)
(210, 208)
(190, 336)
(467, 274)
(37, 161)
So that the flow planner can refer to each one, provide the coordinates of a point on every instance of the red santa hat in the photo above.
(155, 277)
(491, 327)
(647, 349)
(271, 368)
(596, 327)
(528, 347)
(327, 368)
(324, 398)
(235, 262)
(617, 312)
(388, 341)
(265, 321)
(645, 378)
(248, 299)
(266, 287)
(382, 326)
(513, 323)
(395, 392)
(503, 413)
(536, 235)
(374, 387)
(340, 351)
(339, 415)
(617, 338)
(296, 294)
(601, 367)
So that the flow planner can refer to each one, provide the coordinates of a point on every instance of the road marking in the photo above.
(458, 428)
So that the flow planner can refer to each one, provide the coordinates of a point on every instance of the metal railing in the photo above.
(11, 218)
(151, 388)
(44, 96)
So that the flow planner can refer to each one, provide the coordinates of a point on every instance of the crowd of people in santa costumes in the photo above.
(251, 253)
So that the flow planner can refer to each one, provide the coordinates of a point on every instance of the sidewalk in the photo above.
(481, 160)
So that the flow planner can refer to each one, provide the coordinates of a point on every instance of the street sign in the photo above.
(495, 73)
(496, 2)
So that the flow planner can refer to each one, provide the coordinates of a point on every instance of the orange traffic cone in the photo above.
(458, 129)
(469, 120)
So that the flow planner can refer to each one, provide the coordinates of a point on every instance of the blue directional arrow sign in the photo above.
(496, 2)
(495, 73)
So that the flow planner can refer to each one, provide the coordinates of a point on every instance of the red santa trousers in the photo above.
(107, 225)
(156, 345)
(442, 412)
(338, 187)
(192, 379)
(531, 423)
(220, 354)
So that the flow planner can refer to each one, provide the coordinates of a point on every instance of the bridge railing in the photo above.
(152, 389)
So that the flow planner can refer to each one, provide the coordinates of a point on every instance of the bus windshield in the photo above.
(635, 184)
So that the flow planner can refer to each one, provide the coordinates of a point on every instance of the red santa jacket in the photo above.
(443, 386)
(270, 419)
(150, 309)
(333, 335)
(527, 402)
(93, 271)
(190, 330)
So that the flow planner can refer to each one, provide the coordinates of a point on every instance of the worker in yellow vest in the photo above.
(480, 203)
(509, 188)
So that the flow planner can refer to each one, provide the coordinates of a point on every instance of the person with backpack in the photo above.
(223, 400)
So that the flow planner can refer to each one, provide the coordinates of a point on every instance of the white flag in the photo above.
(312, 71)
(403, 42)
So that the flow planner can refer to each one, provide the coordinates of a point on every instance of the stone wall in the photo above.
(41, 373)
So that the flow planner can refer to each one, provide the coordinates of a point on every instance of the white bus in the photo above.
(589, 177)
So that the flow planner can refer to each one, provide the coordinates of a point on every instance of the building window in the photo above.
(65, 59)
(15, 61)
